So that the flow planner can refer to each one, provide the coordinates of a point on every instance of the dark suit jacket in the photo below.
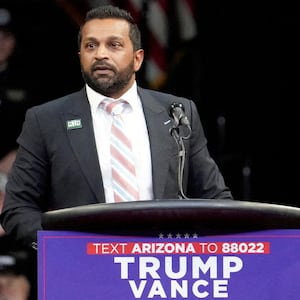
(57, 167)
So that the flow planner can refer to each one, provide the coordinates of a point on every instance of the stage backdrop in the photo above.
(261, 265)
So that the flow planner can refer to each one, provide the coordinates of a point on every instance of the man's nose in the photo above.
(101, 52)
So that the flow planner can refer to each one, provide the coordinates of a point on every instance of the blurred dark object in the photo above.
(17, 271)
(14, 87)
(13, 259)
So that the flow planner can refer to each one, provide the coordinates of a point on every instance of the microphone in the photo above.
(176, 111)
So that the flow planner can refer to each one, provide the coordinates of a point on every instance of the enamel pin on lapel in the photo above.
(74, 124)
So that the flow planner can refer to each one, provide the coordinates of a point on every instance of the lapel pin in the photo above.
(74, 124)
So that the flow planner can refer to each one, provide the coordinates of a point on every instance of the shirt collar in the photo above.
(131, 96)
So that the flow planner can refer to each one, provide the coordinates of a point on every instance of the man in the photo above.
(64, 148)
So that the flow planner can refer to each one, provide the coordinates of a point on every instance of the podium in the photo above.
(152, 217)
(171, 249)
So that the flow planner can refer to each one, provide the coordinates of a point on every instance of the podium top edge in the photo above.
(173, 213)
(176, 204)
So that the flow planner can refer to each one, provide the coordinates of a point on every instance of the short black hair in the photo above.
(114, 12)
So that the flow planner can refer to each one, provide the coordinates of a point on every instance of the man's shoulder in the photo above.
(143, 91)
(162, 96)
(58, 103)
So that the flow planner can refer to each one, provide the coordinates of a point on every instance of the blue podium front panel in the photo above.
(261, 265)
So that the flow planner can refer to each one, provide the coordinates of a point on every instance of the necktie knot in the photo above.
(114, 107)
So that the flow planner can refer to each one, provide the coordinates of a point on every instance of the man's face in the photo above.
(7, 45)
(107, 58)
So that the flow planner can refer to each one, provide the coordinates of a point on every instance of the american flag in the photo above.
(157, 18)
(164, 24)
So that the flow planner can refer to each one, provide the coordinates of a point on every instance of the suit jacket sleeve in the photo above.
(27, 185)
(204, 178)
(54, 168)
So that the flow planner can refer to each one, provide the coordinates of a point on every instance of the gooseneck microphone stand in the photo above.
(175, 132)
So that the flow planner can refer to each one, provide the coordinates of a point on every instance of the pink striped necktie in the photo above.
(122, 161)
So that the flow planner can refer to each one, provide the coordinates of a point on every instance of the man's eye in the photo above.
(115, 44)
(90, 45)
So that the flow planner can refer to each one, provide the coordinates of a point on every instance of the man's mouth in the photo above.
(102, 70)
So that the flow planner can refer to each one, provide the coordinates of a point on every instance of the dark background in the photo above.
(232, 70)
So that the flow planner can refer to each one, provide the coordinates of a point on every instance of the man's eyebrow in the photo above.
(89, 38)
(116, 37)
(112, 37)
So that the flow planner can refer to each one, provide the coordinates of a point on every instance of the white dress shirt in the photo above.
(135, 123)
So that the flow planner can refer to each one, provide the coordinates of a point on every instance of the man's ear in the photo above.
(138, 59)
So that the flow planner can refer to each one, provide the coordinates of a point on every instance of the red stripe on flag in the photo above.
(164, 5)
(157, 53)
(191, 5)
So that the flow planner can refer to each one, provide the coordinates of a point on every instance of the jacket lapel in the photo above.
(79, 128)
(82, 140)
(158, 124)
